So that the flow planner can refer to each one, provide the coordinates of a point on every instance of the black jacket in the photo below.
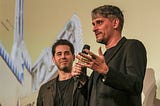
(122, 85)
(47, 94)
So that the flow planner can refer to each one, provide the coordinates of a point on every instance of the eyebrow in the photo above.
(97, 21)
(64, 51)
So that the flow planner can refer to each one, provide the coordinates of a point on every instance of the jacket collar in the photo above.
(118, 46)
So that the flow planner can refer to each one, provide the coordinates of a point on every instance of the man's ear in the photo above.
(115, 23)
(74, 57)
(53, 59)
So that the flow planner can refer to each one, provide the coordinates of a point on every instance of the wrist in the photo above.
(105, 75)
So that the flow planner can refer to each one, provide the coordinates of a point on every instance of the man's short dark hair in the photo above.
(62, 42)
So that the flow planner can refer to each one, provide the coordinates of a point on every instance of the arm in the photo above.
(79, 75)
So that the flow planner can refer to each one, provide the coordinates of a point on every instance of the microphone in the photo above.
(84, 69)
(82, 78)
(85, 47)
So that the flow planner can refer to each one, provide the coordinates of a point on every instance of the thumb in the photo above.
(100, 51)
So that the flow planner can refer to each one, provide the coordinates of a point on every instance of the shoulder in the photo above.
(134, 46)
(48, 84)
(134, 41)
(131, 43)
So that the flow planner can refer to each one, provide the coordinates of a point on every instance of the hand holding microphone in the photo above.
(93, 61)
(83, 51)
(78, 70)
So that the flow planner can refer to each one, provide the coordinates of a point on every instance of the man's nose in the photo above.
(63, 55)
(94, 28)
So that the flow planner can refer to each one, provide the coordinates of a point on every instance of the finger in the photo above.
(87, 64)
(75, 73)
(83, 57)
(77, 67)
(100, 51)
(94, 56)
(79, 57)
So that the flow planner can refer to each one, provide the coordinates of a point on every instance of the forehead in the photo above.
(61, 48)
(99, 19)
(97, 15)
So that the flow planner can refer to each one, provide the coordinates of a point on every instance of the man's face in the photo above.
(103, 29)
(63, 58)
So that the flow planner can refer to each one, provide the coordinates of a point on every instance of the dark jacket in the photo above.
(47, 94)
(122, 85)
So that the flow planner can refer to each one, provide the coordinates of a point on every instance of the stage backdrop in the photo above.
(28, 28)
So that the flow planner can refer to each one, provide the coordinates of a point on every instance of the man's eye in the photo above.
(58, 54)
(67, 53)
(99, 22)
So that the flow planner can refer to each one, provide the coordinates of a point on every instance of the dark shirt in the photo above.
(64, 92)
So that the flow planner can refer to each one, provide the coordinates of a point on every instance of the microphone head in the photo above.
(85, 47)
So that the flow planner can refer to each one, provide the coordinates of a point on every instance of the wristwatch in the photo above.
(105, 76)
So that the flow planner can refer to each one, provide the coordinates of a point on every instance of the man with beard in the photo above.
(64, 89)
(117, 77)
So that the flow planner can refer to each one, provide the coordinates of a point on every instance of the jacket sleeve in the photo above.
(39, 99)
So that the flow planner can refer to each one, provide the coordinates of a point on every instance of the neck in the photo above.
(64, 75)
(113, 41)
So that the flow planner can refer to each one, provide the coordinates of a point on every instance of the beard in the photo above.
(102, 41)
(65, 69)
